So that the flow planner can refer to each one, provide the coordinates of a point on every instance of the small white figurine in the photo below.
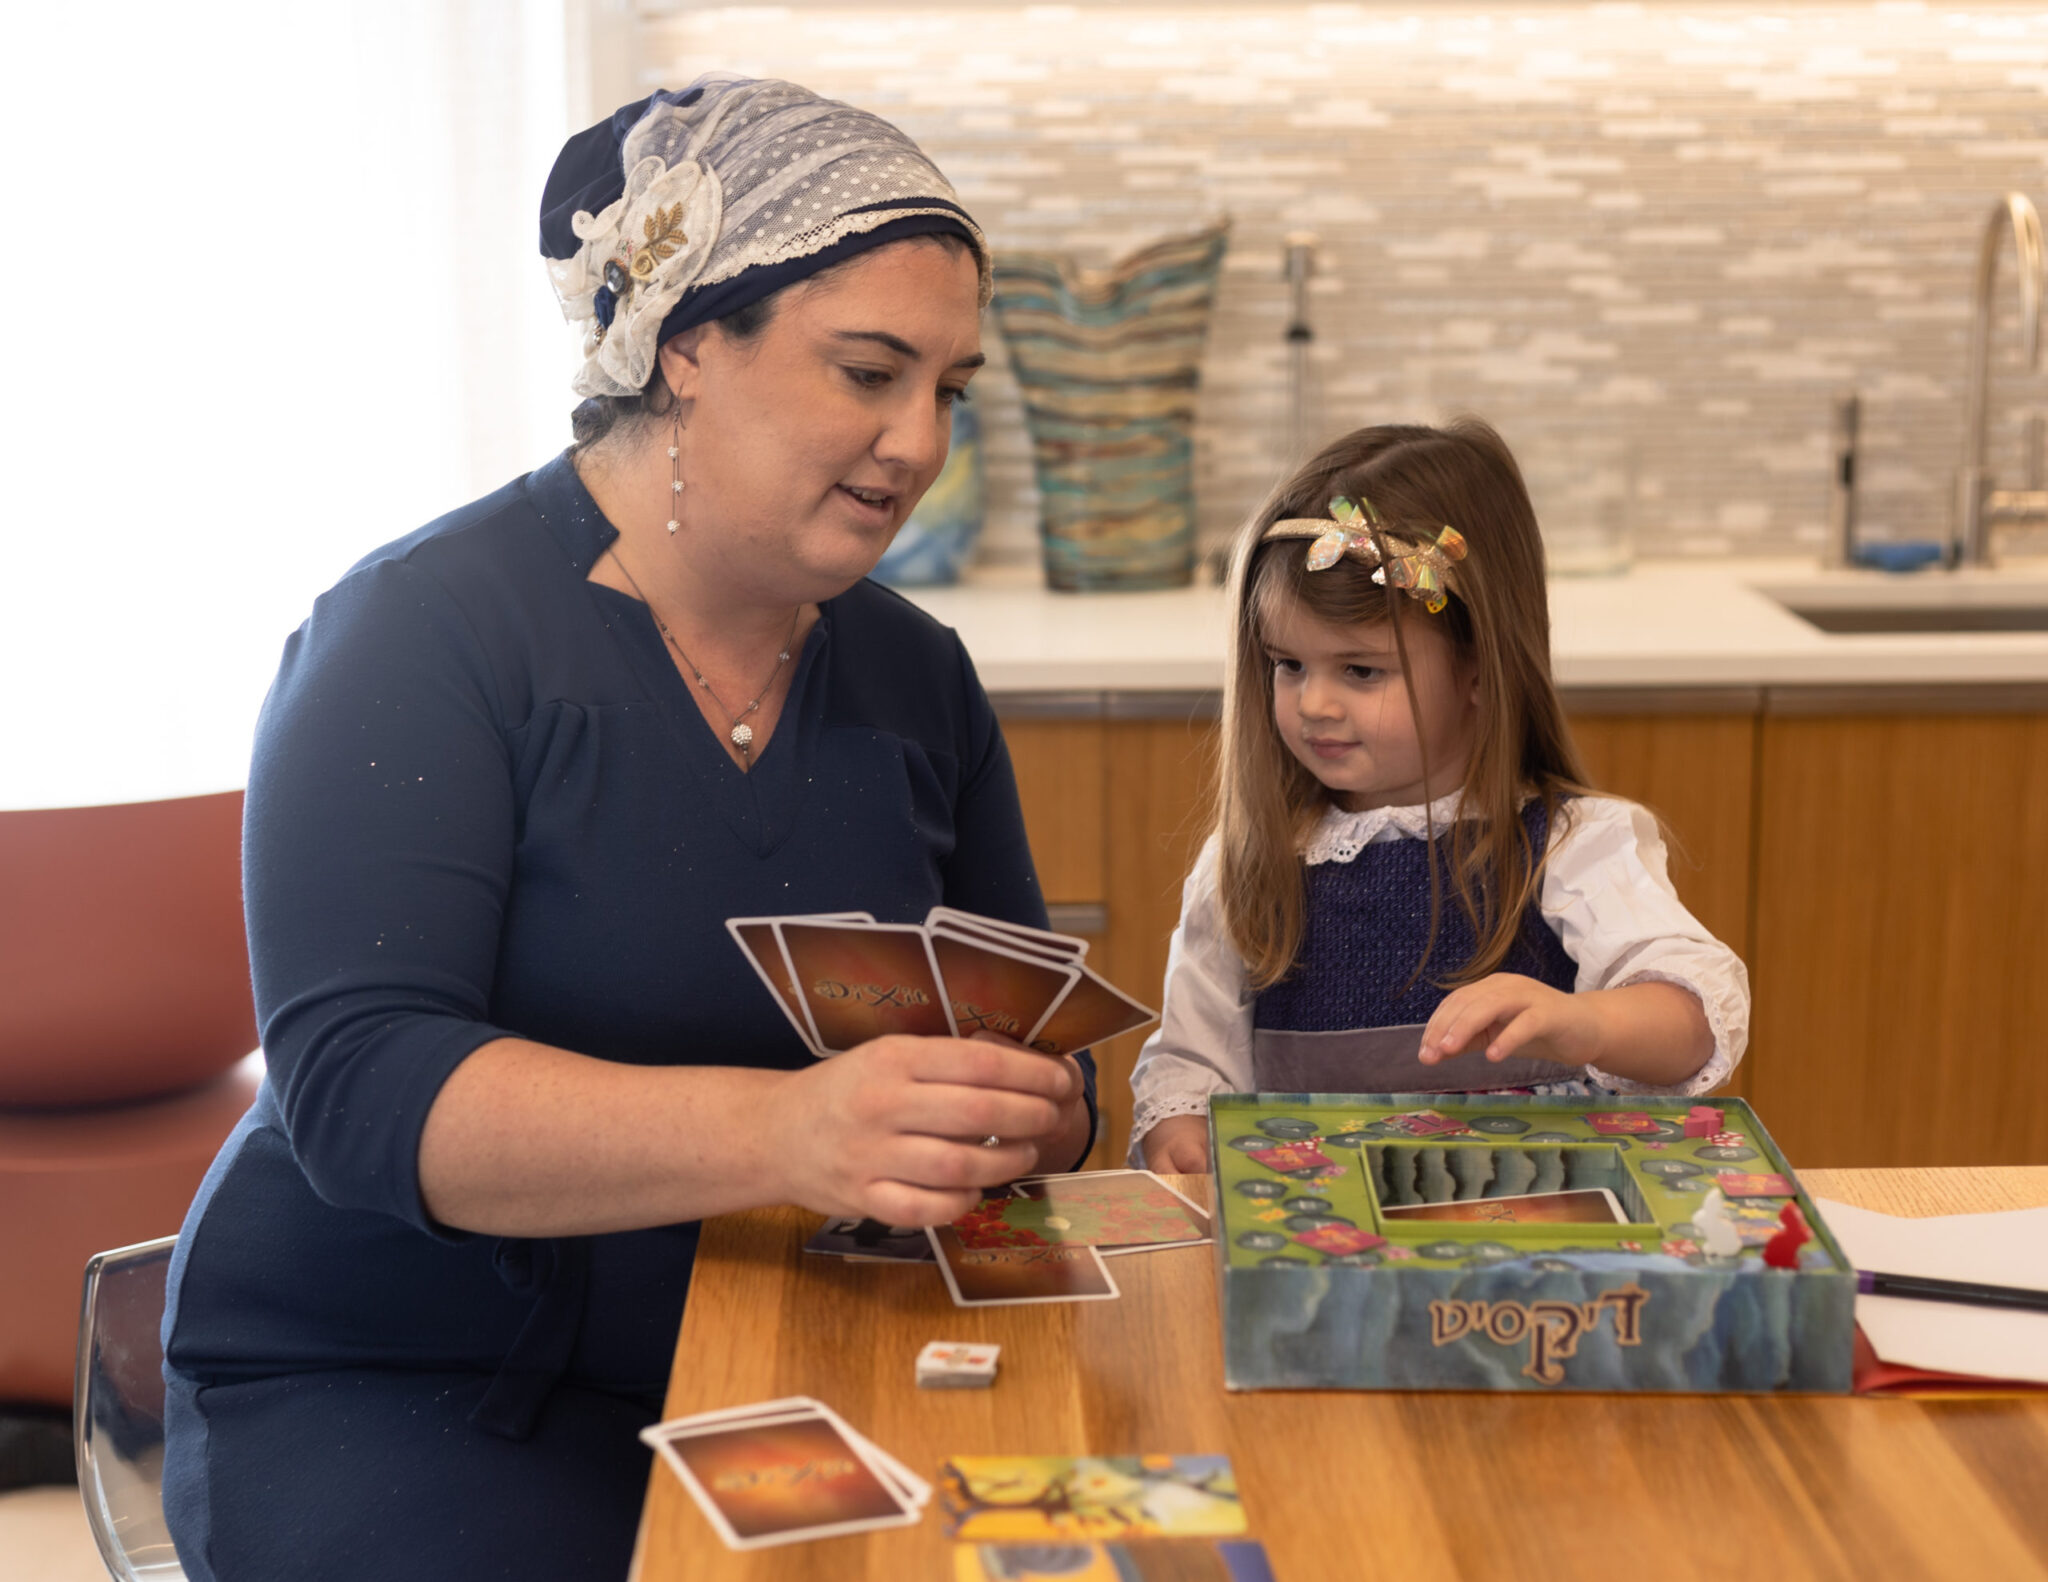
(1717, 1230)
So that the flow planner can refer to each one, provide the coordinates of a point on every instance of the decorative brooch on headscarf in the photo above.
(691, 204)
(1422, 568)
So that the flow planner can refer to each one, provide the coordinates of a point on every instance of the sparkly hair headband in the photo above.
(1421, 568)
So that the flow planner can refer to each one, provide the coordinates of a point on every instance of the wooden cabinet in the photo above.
(1902, 938)
(1697, 773)
(1885, 876)
(1115, 809)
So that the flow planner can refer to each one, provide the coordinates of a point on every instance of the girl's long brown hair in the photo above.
(1498, 623)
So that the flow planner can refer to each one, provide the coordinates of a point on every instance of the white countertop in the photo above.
(1660, 624)
(184, 727)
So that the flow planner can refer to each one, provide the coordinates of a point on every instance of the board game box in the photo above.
(1481, 1242)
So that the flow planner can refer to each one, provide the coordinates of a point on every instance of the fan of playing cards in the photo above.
(842, 978)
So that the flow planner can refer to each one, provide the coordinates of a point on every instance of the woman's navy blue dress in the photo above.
(484, 804)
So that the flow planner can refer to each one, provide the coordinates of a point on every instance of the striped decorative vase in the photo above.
(936, 542)
(1108, 362)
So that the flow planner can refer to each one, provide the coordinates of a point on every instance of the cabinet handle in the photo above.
(1078, 917)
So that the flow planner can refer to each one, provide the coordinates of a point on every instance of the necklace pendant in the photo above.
(743, 737)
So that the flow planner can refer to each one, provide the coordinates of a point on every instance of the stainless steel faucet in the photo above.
(1979, 508)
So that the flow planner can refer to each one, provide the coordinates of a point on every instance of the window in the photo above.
(273, 299)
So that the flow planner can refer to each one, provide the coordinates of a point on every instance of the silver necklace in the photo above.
(742, 735)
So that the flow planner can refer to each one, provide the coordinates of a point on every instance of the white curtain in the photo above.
(272, 298)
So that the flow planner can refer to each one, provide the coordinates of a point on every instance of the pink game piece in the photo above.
(1703, 1120)
(1782, 1250)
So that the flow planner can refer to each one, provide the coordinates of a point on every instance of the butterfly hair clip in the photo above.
(1420, 568)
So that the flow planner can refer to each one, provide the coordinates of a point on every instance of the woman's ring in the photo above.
(991, 1141)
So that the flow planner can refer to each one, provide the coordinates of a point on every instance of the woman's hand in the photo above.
(1060, 1149)
(893, 1130)
(1654, 1033)
(1178, 1145)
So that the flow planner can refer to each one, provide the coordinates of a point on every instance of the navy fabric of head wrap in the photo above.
(756, 139)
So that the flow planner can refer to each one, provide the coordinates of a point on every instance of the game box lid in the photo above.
(1508, 1242)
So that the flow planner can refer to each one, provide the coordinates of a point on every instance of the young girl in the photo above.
(1403, 832)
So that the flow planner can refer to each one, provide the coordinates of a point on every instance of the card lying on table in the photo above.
(779, 1472)
(1075, 1499)
(1009, 1276)
(1113, 1211)
(842, 978)
(1137, 1560)
(870, 1241)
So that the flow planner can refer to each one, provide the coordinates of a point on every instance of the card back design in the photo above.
(856, 983)
(1090, 1012)
(995, 989)
(1011, 1276)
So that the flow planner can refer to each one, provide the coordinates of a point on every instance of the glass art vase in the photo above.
(1109, 363)
(935, 543)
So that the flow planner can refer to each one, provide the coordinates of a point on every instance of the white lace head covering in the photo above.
(689, 205)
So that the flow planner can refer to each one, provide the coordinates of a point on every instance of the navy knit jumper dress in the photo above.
(1347, 1019)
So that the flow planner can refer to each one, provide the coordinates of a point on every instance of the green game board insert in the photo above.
(1407, 1175)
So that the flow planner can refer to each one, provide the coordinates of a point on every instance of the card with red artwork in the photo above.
(1339, 1240)
(1114, 1211)
(1743, 1183)
(1427, 1123)
(1622, 1123)
(1286, 1157)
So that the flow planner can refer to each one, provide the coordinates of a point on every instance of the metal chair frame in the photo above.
(118, 1413)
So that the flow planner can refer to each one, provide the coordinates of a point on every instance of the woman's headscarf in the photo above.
(689, 205)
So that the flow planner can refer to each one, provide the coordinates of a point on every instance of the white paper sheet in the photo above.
(1951, 1337)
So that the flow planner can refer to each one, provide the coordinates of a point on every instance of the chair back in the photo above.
(124, 971)
(118, 1411)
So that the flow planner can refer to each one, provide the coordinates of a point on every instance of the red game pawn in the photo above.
(1703, 1120)
(1782, 1250)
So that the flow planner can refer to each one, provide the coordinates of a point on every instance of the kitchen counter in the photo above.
(1665, 637)
(1661, 625)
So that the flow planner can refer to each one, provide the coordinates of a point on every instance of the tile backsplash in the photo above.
(1669, 232)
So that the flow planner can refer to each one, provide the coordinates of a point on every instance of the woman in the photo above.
(516, 771)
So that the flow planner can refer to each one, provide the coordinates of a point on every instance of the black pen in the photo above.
(2017, 1297)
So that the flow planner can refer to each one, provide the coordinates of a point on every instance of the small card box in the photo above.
(956, 1365)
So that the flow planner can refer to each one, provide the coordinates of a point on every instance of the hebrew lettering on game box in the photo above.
(1503, 1242)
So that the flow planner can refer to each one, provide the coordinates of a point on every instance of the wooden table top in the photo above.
(1420, 1486)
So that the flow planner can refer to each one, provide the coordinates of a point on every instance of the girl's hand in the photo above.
(1655, 1033)
(1178, 1145)
(1508, 1014)
(893, 1130)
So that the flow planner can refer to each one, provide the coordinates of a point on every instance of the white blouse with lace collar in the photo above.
(1605, 893)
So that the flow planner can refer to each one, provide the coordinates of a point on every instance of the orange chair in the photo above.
(125, 1031)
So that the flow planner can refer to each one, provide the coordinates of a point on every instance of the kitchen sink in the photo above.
(1848, 603)
(1987, 618)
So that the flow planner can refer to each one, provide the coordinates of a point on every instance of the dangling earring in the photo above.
(675, 462)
